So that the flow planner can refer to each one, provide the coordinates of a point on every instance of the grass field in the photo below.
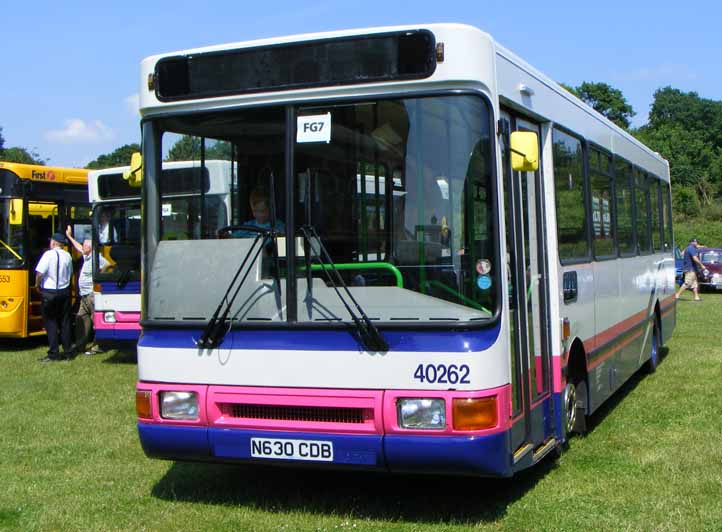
(70, 460)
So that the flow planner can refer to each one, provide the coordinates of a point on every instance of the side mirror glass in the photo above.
(134, 176)
(524, 151)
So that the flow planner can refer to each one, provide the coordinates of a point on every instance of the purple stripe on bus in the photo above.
(469, 455)
(131, 287)
(328, 340)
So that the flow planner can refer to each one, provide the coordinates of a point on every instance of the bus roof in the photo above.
(47, 174)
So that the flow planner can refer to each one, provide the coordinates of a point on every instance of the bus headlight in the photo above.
(179, 405)
(109, 317)
(428, 414)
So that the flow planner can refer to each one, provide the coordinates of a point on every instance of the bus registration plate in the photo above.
(285, 449)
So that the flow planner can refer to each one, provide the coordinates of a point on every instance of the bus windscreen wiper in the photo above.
(369, 335)
(216, 328)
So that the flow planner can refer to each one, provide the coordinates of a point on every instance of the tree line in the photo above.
(683, 127)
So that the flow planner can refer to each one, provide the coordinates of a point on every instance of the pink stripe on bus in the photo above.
(128, 321)
(320, 410)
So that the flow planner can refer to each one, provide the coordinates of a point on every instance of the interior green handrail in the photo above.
(365, 266)
(458, 294)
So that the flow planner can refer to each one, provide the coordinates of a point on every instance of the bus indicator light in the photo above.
(475, 413)
(566, 329)
(142, 404)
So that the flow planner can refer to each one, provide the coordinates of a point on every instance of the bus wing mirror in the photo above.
(134, 176)
(524, 151)
(16, 211)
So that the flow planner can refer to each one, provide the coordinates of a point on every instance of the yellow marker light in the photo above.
(475, 413)
(566, 329)
(143, 404)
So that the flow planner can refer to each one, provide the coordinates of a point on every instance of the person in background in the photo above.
(84, 317)
(689, 267)
(52, 278)
(106, 231)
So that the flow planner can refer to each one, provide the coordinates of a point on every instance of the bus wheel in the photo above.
(570, 408)
(651, 364)
(575, 401)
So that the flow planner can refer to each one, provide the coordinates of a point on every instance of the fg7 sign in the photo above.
(313, 128)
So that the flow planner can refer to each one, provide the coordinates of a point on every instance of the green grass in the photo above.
(70, 460)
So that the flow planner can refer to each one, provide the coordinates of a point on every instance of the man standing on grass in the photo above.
(52, 278)
(691, 256)
(84, 318)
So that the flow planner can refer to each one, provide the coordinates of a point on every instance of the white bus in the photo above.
(117, 208)
(502, 268)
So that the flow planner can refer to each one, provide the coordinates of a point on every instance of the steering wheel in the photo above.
(224, 231)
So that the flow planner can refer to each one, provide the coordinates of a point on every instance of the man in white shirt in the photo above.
(84, 317)
(52, 278)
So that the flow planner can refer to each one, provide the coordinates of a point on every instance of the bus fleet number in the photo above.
(442, 374)
(4, 278)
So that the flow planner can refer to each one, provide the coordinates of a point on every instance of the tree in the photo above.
(188, 148)
(2, 142)
(606, 100)
(571, 89)
(21, 155)
(119, 157)
(687, 131)
(687, 111)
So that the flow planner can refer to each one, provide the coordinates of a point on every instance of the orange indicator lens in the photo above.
(142, 404)
(475, 413)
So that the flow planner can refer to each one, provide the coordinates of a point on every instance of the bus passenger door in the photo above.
(42, 222)
(528, 301)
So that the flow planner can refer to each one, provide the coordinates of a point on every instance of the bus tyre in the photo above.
(651, 364)
(575, 395)
(575, 398)
(570, 409)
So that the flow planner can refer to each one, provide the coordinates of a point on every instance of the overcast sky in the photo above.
(70, 71)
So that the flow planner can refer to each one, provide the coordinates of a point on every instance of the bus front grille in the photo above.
(309, 414)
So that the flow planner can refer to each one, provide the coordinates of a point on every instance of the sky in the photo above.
(70, 71)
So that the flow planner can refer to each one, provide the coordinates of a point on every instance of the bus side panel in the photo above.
(14, 303)
(668, 310)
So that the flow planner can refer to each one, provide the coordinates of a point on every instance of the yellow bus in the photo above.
(35, 202)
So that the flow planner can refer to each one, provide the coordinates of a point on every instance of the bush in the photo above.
(685, 201)
(708, 232)
(712, 212)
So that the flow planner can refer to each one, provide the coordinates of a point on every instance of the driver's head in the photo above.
(259, 205)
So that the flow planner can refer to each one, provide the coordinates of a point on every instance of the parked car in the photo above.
(678, 261)
(711, 258)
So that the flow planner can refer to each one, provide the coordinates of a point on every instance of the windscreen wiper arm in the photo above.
(216, 329)
(369, 335)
